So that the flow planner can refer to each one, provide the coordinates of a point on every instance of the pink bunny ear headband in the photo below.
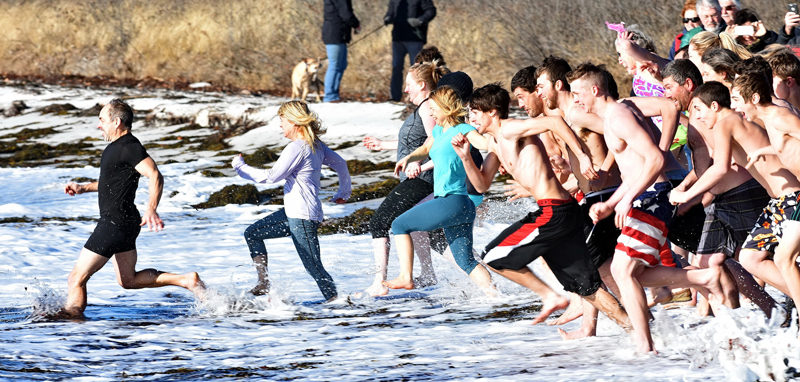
(619, 28)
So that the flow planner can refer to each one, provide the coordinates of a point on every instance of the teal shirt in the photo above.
(449, 176)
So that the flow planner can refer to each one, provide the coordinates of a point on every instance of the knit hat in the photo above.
(460, 82)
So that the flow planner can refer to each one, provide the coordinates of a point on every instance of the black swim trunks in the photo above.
(601, 238)
(109, 238)
(731, 218)
(554, 232)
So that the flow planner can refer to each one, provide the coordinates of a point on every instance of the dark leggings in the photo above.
(404, 196)
(304, 236)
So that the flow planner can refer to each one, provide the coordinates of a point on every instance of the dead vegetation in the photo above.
(236, 44)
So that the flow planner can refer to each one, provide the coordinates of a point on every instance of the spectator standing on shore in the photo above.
(410, 19)
(789, 34)
(753, 34)
(710, 13)
(338, 20)
(728, 9)
(691, 26)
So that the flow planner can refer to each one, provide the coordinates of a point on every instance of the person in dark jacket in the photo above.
(410, 19)
(338, 20)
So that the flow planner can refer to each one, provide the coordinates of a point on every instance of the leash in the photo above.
(365, 35)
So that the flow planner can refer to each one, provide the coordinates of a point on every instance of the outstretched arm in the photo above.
(419, 154)
(73, 188)
(335, 161)
(670, 115)
(147, 167)
(289, 159)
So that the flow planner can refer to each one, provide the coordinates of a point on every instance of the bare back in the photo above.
(778, 122)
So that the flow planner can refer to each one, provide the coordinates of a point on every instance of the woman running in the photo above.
(299, 165)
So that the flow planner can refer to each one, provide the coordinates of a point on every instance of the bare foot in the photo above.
(399, 283)
(573, 312)
(65, 314)
(260, 289)
(575, 334)
(549, 306)
(375, 290)
(660, 296)
(192, 282)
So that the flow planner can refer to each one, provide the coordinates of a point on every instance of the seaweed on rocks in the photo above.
(373, 190)
(57, 109)
(360, 166)
(261, 157)
(356, 223)
(237, 194)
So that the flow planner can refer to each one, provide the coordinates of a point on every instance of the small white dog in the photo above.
(304, 77)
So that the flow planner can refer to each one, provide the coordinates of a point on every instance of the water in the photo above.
(446, 332)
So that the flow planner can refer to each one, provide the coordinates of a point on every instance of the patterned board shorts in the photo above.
(767, 233)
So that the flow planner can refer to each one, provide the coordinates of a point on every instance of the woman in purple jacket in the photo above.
(300, 166)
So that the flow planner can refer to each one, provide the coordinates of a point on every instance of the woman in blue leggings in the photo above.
(451, 209)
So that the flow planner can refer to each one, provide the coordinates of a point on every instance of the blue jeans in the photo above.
(454, 213)
(337, 63)
(304, 236)
(399, 51)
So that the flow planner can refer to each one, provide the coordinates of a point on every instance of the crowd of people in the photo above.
(689, 184)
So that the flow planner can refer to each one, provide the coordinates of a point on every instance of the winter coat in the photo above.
(338, 20)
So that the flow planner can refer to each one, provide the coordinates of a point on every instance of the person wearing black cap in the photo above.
(410, 19)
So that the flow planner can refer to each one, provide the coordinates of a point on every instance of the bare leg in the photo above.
(422, 248)
(729, 290)
(481, 277)
(405, 252)
(262, 287)
(748, 286)
(759, 264)
(380, 252)
(659, 295)
(626, 271)
(129, 278)
(551, 301)
(574, 310)
(786, 258)
(588, 324)
(87, 265)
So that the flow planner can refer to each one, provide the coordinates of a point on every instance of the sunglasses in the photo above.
(693, 19)
(729, 8)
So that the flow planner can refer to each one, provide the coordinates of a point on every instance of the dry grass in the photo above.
(255, 43)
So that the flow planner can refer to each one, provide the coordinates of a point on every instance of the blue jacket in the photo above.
(338, 20)
(401, 10)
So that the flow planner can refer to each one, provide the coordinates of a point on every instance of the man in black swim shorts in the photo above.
(123, 161)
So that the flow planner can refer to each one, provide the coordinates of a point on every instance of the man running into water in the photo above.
(554, 232)
(770, 252)
(640, 203)
(124, 160)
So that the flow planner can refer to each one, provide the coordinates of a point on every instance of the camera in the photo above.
(793, 7)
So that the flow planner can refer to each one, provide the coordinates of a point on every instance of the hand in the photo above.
(598, 182)
(560, 165)
(372, 143)
(340, 201)
(754, 157)
(357, 30)
(515, 190)
(621, 211)
(414, 22)
(152, 220)
(73, 188)
(683, 209)
(586, 167)
(400, 166)
(237, 162)
(677, 197)
(413, 170)
(599, 211)
(460, 145)
(790, 21)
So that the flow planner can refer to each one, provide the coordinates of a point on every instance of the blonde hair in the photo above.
(307, 122)
(451, 105)
(428, 72)
(706, 40)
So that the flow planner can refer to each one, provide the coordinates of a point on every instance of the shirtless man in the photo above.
(734, 198)
(553, 232)
(124, 160)
(640, 203)
(553, 88)
(778, 230)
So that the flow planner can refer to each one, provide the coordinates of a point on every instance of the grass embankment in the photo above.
(255, 43)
